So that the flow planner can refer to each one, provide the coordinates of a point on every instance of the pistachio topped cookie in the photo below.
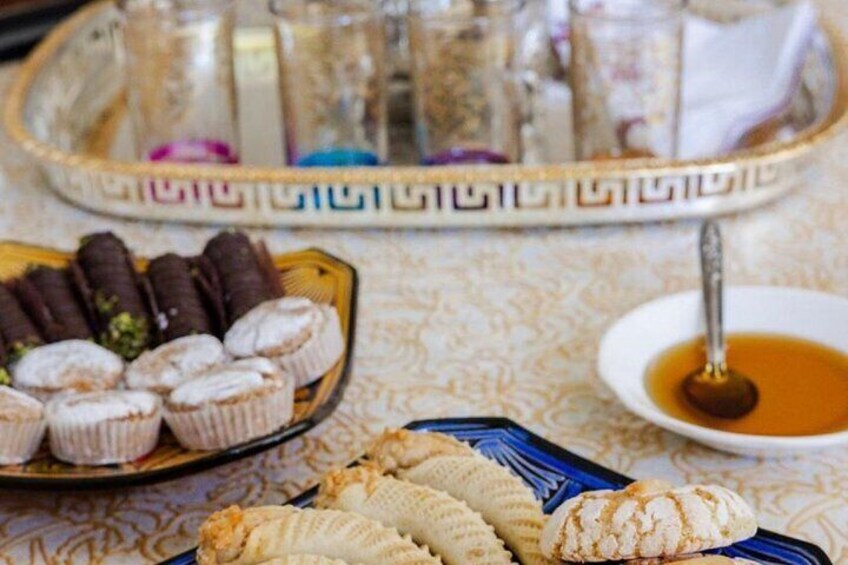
(113, 289)
(17, 329)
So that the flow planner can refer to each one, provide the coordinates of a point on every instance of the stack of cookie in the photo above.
(426, 498)
(100, 353)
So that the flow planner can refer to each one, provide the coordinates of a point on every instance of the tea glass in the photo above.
(333, 60)
(626, 77)
(181, 89)
(465, 90)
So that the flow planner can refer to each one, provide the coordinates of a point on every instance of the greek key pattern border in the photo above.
(437, 204)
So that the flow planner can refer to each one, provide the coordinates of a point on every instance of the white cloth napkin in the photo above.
(737, 75)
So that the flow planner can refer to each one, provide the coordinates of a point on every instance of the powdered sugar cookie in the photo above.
(227, 406)
(67, 366)
(162, 369)
(21, 426)
(101, 428)
(303, 337)
(646, 519)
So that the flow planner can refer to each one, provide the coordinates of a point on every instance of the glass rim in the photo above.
(278, 9)
(512, 8)
(667, 9)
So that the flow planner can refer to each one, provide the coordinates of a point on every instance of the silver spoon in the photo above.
(714, 388)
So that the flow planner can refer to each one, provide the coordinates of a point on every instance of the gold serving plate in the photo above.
(65, 110)
(310, 273)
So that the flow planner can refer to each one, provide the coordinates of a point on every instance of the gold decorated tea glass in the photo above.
(466, 99)
(180, 83)
(333, 83)
(626, 77)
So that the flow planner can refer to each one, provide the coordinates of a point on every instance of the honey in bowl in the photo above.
(803, 385)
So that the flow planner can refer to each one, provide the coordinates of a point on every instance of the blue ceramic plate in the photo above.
(556, 475)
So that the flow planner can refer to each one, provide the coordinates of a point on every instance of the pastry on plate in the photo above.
(646, 519)
(102, 428)
(432, 517)
(5, 377)
(236, 536)
(303, 337)
(178, 300)
(67, 367)
(110, 285)
(21, 426)
(303, 560)
(51, 300)
(245, 282)
(18, 330)
(230, 405)
(162, 369)
(441, 462)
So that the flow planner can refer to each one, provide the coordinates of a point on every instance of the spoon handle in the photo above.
(712, 275)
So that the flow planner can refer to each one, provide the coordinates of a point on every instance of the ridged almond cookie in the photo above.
(646, 519)
(303, 560)
(448, 526)
(402, 449)
(250, 536)
(441, 462)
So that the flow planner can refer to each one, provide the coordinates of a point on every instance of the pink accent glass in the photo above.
(180, 80)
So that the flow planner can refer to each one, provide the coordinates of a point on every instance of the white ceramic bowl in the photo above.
(637, 338)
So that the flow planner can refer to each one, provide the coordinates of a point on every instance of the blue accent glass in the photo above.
(339, 158)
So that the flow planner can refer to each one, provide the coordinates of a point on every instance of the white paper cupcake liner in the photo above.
(20, 440)
(318, 355)
(106, 442)
(219, 426)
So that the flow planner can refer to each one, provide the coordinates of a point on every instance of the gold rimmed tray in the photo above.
(311, 273)
(65, 108)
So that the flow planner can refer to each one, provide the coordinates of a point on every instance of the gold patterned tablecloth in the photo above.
(462, 323)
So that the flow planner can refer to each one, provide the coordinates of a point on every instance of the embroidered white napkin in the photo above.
(737, 75)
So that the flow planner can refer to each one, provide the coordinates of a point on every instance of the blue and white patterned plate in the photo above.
(557, 475)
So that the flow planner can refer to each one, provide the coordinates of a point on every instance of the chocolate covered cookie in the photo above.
(122, 314)
(181, 311)
(243, 276)
(18, 330)
(5, 378)
(50, 299)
